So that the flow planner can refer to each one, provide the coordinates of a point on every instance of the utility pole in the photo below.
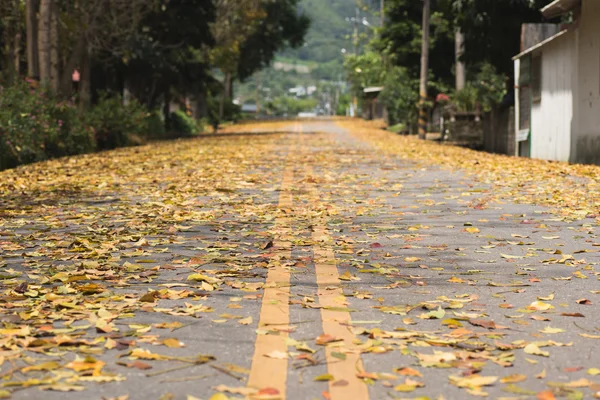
(460, 66)
(424, 70)
(382, 12)
(356, 31)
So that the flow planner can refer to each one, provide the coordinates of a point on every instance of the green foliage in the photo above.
(484, 92)
(183, 125)
(491, 86)
(117, 124)
(398, 128)
(282, 27)
(291, 106)
(330, 31)
(155, 126)
(343, 104)
(466, 99)
(492, 29)
(34, 127)
(400, 96)
(365, 70)
(400, 40)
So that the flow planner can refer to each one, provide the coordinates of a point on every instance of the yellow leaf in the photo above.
(473, 381)
(47, 366)
(541, 375)
(218, 396)
(324, 378)
(245, 321)
(281, 355)
(546, 298)
(593, 371)
(533, 348)
(551, 330)
(514, 378)
(539, 306)
(172, 343)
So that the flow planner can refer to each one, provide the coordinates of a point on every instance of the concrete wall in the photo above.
(585, 143)
(466, 129)
(551, 118)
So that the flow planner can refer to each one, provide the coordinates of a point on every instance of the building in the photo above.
(557, 97)
(372, 107)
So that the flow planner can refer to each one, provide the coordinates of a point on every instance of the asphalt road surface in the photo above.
(291, 262)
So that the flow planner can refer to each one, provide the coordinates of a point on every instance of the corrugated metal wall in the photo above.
(586, 129)
(551, 118)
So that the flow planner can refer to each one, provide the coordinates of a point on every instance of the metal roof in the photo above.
(559, 7)
(373, 89)
(541, 44)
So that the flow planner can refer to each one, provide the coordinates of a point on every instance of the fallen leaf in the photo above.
(324, 378)
(533, 349)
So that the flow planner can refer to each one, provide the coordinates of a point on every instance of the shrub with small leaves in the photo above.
(34, 126)
(183, 125)
(117, 124)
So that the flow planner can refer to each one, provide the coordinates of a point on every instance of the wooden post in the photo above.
(424, 70)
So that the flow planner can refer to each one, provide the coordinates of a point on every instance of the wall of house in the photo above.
(551, 118)
(585, 143)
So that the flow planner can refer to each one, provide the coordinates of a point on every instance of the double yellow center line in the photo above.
(271, 372)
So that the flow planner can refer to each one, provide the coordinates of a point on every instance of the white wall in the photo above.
(585, 145)
(552, 117)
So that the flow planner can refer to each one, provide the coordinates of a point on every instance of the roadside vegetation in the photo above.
(77, 77)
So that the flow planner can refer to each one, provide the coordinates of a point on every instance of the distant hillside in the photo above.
(329, 32)
(321, 58)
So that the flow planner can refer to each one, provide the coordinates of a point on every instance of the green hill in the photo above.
(331, 31)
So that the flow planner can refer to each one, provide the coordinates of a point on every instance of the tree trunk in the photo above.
(66, 82)
(85, 81)
(12, 40)
(424, 70)
(201, 104)
(17, 52)
(54, 55)
(44, 40)
(33, 69)
(225, 94)
(167, 108)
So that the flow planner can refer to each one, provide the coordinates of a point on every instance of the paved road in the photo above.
(302, 263)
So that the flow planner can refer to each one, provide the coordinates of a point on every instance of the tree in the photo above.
(11, 27)
(281, 28)
(33, 69)
(168, 54)
(235, 21)
(401, 37)
(492, 29)
(44, 40)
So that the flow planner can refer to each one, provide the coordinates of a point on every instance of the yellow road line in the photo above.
(346, 385)
(271, 372)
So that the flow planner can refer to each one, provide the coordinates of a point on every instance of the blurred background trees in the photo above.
(110, 73)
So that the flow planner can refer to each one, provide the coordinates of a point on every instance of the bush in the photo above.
(400, 97)
(155, 126)
(183, 125)
(35, 127)
(117, 124)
